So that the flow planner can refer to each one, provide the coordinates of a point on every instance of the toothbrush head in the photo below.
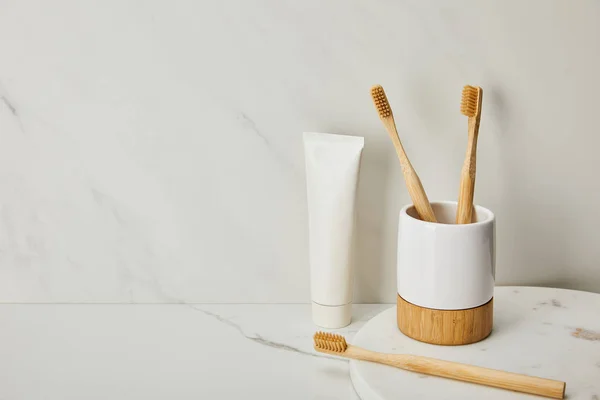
(329, 342)
(470, 104)
(381, 102)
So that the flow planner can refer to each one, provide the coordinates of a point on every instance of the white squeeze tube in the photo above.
(332, 165)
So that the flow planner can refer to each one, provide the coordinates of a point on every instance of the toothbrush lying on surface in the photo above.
(336, 344)
(415, 188)
(471, 107)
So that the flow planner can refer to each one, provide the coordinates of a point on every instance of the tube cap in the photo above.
(331, 317)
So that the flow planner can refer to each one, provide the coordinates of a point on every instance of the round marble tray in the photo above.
(551, 333)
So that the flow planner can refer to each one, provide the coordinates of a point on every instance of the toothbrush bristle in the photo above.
(470, 100)
(330, 342)
(381, 102)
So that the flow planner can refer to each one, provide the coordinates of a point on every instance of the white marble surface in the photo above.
(131, 352)
(549, 333)
(196, 351)
(151, 150)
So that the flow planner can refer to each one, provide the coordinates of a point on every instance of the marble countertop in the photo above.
(120, 351)
(198, 351)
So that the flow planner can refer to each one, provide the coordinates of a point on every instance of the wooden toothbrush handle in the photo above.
(479, 375)
(464, 211)
(413, 183)
(418, 195)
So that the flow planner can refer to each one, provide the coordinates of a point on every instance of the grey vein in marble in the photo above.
(10, 106)
(13, 110)
(553, 303)
(102, 200)
(557, 303)
(251, 125)
(259, 339)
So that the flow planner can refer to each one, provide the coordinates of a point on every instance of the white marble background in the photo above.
(150, 151)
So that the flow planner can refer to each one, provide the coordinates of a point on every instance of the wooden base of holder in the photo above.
(445, 327)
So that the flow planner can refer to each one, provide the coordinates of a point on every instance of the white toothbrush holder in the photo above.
(446, 275)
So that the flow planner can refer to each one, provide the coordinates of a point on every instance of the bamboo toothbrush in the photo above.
(336, 344)
(413, 183)
(471, 107)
